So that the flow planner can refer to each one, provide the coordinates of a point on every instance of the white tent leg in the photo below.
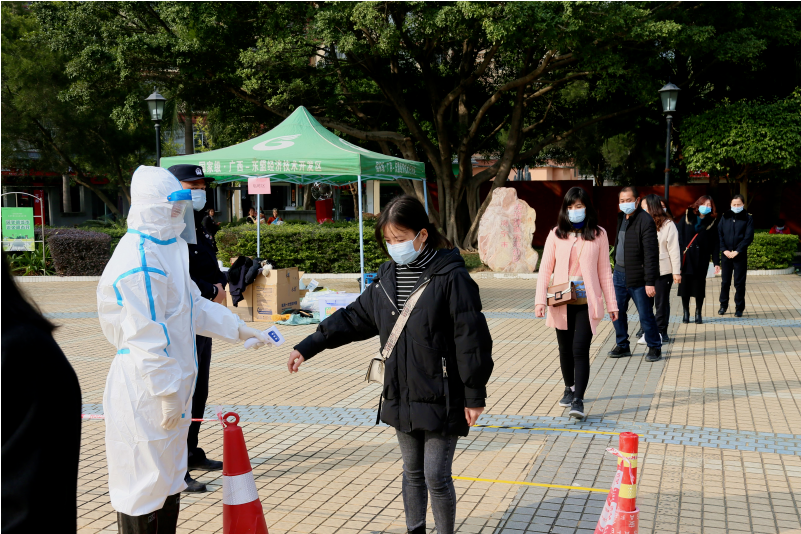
(425, 195)
(361, 231)
(258, 226)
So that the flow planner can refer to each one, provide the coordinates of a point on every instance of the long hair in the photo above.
(563, 225)
(667, 208)
(655, 209)
(408, 212)
(16, 309)
(701, 200)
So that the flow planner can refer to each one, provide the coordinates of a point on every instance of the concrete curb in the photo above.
(770, 272)
(28, 279)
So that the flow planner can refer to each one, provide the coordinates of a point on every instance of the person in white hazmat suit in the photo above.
(150, 310)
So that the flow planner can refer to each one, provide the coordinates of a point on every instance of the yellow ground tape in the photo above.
(531, 484)
(548, 429)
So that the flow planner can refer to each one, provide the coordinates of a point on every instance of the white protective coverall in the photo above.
(151, 311)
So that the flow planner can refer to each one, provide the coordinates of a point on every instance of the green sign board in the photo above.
(18, 229)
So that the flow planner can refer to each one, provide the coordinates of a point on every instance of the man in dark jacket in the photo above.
(636, 271)
(735, 234)
(205, 272)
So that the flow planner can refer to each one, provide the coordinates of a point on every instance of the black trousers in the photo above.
(201, 391)
(738, 266)
(662, 301)
(164, 521)
(574, 348)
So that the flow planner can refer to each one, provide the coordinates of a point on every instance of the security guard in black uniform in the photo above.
(205, 272)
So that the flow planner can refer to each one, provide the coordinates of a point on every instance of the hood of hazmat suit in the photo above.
(151, 311)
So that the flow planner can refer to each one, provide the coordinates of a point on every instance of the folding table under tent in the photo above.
(301, 151)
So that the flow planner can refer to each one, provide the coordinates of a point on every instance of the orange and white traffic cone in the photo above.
(242, 510)
(620, 514)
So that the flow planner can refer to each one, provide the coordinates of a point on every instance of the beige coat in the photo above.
(669, 250)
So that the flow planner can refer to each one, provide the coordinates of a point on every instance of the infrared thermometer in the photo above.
(272, 334)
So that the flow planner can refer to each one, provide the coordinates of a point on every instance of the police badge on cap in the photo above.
(187, 173)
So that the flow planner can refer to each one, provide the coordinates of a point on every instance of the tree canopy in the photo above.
(745, 139)
(437, 82)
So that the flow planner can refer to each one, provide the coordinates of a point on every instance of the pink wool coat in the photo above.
(595, 269)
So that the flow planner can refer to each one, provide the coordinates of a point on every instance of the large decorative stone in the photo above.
(505, 233)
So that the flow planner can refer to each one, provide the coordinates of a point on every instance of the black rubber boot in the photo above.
(168, 515)
(698, 318)
(138, 524)
(686, 318)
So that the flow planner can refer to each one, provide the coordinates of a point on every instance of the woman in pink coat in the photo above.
(577, 250)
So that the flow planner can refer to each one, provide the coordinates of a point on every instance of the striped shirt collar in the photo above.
(425, 257)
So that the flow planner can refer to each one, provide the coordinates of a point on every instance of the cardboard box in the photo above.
(275, 293)
(245, 307)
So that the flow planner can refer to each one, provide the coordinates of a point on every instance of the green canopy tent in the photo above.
(301, 151)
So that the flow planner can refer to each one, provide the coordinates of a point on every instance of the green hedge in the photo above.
(772, 251)
(115, 233)
(325, 248)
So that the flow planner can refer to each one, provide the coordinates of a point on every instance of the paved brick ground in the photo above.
(720, 418)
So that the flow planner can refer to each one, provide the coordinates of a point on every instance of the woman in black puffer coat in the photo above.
(698, 241)
(435, 378)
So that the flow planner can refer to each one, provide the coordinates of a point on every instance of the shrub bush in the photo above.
(115, 233)
(327, 248)
(772, 251)
(78, 252)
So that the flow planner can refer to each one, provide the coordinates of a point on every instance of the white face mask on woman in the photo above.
(403, 253)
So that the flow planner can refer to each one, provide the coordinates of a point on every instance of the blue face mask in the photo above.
(577, 215)
(737, 209)
(198, 199)
(704, 210)
(403, 253)
(628, 207)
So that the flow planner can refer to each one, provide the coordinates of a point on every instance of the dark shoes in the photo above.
(619, 352)
(639, 333)
(722, 310)
(567, 400)
(198, 461)
(577, 409)
(206, 465)
(698, 318)
(738, 313)
(193, 486)
(686, 318)
(665, 337)
(654, 355)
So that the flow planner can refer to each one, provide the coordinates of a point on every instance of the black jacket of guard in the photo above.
(696, 260)
(446, 326)
(41, 432)
(736, 231)
(641, 249)
(203, 267)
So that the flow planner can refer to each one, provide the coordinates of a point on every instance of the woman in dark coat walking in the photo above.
(698, 241)
(41, 424)
(435, 379)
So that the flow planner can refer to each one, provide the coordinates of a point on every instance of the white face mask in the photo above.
(198, 199)
(403, 253)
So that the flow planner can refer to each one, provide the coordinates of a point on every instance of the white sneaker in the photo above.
(641, 341)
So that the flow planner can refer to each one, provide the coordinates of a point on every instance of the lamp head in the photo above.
(155, 104)
(669, 94)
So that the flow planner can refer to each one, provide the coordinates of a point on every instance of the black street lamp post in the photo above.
(155, 104)
(669, 94)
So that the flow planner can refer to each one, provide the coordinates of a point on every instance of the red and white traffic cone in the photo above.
(242, 510)
(627, 520)
(620, 514)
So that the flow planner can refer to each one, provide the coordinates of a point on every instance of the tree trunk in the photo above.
(308, 200)
(66, 197)
(744, 189)
(189, 138)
